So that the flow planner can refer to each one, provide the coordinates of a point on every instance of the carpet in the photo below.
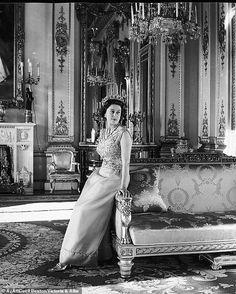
(29, 249)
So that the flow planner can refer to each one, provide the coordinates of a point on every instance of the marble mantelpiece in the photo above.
(20, 137)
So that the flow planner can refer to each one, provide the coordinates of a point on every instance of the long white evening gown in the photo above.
(92, 211)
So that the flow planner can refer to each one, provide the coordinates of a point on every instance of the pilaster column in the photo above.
(61, 83)
(61, 88)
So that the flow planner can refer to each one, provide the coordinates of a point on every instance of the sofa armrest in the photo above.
(123, 216)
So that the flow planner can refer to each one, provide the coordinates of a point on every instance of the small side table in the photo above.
(217, 260)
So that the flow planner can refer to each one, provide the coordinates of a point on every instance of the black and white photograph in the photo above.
(118, 147)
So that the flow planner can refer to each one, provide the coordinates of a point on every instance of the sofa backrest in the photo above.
(186, 187)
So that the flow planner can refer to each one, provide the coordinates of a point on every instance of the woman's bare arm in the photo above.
(126, 145)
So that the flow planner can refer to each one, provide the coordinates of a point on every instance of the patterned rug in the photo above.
(28, 250)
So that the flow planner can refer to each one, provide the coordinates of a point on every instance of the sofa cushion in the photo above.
(145, 191)
(171, 228)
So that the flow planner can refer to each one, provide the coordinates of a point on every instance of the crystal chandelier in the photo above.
(174, 21)
(97, 77)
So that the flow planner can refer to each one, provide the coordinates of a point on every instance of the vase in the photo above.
(2, 111)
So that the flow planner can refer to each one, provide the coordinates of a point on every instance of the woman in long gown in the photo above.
(92, 211)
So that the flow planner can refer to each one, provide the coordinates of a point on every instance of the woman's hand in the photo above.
(124, 192)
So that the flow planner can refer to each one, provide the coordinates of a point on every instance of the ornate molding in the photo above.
(125, 251)
(222, 34)
(25, 176)
(19, 137)
(205, 122)
(222, 121)
(61, 122)
(173, 57)
(187, 158)
(233, 119)
(62, 39)
(138, 72)
(22, 135)
(19, 56)
(132, 71)
(181, 94)
(82, 16)
(185, 248)
(61, 94)
(205, 42)
(173, 129)
(24, 147)
(6, 136)
(61, 139)
(124, 206)
(152, 93)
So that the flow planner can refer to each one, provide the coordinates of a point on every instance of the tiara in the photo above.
(114, 97)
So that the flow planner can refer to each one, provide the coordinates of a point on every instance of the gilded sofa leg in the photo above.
(125, 239)
(125, 265)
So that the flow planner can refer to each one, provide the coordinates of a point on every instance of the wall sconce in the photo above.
(30, 80)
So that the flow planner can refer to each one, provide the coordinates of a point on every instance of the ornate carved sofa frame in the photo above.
(199, 191)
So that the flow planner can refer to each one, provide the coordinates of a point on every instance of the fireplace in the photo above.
(16, 157)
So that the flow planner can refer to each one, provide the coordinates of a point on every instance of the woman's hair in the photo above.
(108, 103)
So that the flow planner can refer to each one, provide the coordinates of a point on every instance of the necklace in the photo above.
(109, 132)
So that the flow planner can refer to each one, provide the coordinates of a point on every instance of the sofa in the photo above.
(181, 205)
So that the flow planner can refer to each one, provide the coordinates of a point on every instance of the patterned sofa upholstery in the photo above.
(186, 205)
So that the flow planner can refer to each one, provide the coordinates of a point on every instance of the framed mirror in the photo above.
(147, 90)
(103, 30)
(12, 54)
